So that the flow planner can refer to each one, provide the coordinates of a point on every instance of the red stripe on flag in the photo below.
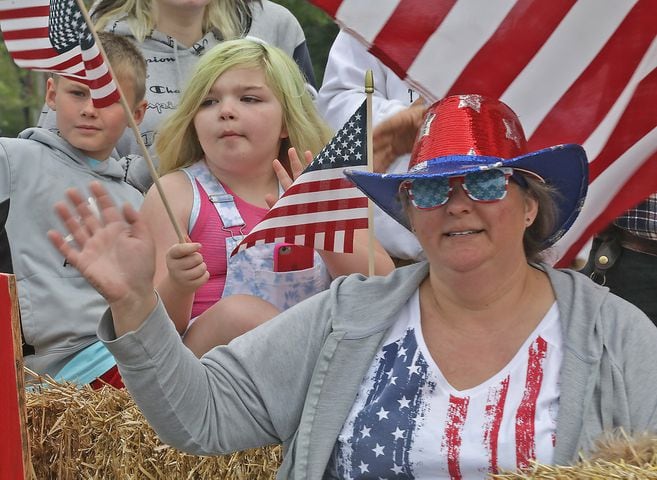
(42, 53)
(526, 414)
(94, 62)
(329, 6)
(25, 12)
(349, 237)
(596, 90)
(316, 207)
(638, 187)
(106, 101)
(26, 34)
(521, 34)
(329, 241)
(637, 120)
(309, 230)
(405, 33)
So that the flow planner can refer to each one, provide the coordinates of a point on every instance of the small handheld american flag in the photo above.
(322, 208)
(53, 36)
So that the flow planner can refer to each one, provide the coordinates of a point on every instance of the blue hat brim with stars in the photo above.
(563, 167)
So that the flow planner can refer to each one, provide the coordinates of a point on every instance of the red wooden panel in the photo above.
(14, 450)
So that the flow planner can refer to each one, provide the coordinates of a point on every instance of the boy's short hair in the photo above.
(125, 59)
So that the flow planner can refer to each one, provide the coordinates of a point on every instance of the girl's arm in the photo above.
(173, 284)
(338, 263)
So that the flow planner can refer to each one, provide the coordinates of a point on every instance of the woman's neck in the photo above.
(185, 25)
(477, 297)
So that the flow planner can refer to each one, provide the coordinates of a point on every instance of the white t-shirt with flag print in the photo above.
(408, 422)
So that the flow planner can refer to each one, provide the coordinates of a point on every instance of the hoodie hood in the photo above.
(110, 168)
(158, 42)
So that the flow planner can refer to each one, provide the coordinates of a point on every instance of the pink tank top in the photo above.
(209, 232)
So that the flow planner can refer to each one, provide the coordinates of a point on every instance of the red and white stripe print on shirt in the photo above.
(408, 422)
(574, 71)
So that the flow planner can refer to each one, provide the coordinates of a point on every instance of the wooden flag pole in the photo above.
(133, 125)
(369, 90)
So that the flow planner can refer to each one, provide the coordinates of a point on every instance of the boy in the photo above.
(59, 309)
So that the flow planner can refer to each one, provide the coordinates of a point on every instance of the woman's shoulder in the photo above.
(588, 307)
(374, 301)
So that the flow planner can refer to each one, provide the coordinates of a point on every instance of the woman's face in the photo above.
(240, 123)
(464, 234)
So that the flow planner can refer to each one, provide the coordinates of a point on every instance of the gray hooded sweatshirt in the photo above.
(293, 380)
(59, 309)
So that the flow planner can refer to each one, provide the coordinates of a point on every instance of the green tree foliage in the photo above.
(21, 95)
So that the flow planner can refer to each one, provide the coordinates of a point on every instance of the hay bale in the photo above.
(615, 456)
(83, 433)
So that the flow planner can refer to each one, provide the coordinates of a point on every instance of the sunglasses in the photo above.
(481, 186)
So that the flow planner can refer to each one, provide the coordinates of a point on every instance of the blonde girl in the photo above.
(226, 154)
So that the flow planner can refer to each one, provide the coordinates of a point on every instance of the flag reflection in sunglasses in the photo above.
(482, 186)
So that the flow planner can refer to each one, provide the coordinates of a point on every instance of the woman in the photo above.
(477, 360)
(173, 35)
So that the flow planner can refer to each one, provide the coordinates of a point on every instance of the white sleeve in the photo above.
(343, 88)
(341, 93)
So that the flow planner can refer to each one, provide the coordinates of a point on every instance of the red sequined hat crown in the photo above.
(469, 125)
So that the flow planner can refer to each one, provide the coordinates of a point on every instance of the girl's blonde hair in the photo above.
(177, 143)
(227, 18)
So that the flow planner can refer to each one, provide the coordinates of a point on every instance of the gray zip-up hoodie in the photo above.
(294, 379)
(59, 309)
(170, 64)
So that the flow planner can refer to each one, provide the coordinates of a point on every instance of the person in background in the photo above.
(479, 359)
(245, 106)
(59, 309)
(397, 111)
(172, 35)
(624, 257)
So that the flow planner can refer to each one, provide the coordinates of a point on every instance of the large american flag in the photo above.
(53, 36)
(574, 71)
(322, 208)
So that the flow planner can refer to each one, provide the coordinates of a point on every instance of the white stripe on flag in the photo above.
(321, 196)
(338, 240)
(17, 24)
(447, 52)
(529, 95)
(603, 190)
(320, 239)
(596, 141)
(310, 218)
(13, 4)
(377, 14)
(27, 45)
(104, 91)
